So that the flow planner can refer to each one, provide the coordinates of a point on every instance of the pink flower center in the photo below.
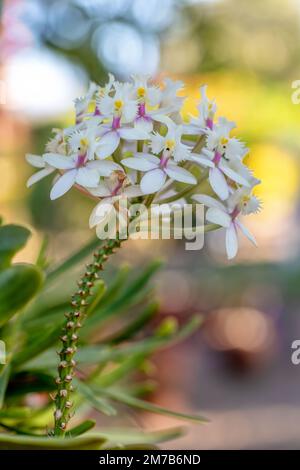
(116, 124)
(81, 160)
(210, 123)
(164, 161)
(217, 158)
(235, 213)
(142, 109)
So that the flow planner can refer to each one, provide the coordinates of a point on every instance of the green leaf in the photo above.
(134, 402)
(136, 325)
(123, 437)
(4, 377)
(133, 293)
(82, 428)
(11, 442)
(18, 413)
(117, 284)
(12, 239)
(18, 284)
(102, 354)
(98, 403)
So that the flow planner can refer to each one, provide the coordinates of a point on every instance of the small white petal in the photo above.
(100, 212)
(180, 174)
(35, 160)
(58, 161)
(38, 176)
(87, 178)
(63, 184)
(140, 163)
(133, 134)
(107, 145)
(153, 181)
(202, 161)
(231, 242)
(101, 191)
(219, 217)
(233, 175)
(104, 167)
(246, 232)
(144, 125)
(218, 183)
(208, 201)
(133, 191)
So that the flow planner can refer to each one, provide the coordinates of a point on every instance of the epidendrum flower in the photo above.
(242, 202)
(129, 141)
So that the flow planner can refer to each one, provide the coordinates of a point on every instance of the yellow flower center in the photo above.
(245, 200)
(170, 144)
(118, 105)
(84, 142)
(141, 92)
(224, 141)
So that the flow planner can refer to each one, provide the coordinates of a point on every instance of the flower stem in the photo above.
(69, 338)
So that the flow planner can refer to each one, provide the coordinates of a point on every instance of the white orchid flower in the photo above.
(77, 169)
(242, 202)
(84, 142)
(170, 144)
(170, 101)
(119, 109)
(121, 105)
(82, 103)
(205, 121)
(156, 171)
(221, 167)
(38, 162)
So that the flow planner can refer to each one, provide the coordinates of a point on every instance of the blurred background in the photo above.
(237, 370)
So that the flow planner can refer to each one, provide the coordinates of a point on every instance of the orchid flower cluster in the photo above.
(129, 140)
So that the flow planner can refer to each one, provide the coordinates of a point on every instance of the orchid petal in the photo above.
(208, 201)
(107, 145)
(133, 134)
(104, 167)
(233, 175)
(87, 178)
(153, 181)
(39, 175)
(246, 232)
(99, 212)
(140, 164)
(218, 183)
(180, 174)
(35, 160)
(202, 161)
(231, 241)
(219, 217)
(61, 162)
(63, 184)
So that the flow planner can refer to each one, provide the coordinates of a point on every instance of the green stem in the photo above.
(69, 338)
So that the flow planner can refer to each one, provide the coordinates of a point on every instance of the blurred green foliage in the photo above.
(113, 349)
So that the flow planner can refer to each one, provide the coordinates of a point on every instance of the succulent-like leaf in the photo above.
(18, 285)
(12, 239)
(134, 402)
(11, 442)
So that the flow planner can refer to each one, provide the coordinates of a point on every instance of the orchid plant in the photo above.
(129, 140)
